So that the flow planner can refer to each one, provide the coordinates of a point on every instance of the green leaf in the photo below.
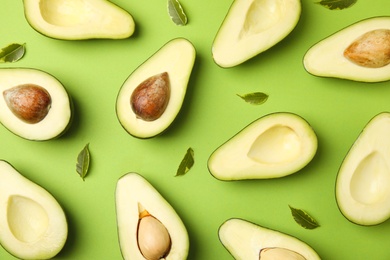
(256, 98)
(337, 4)
(12, 52)
(303, 218)
(176, 12)
(187, 162)
(83, 160)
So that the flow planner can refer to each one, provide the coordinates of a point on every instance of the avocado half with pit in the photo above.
(249, 241)
(363, 180)
(359, 52)
(152, 96)
(33, 104)
(252, 27)
(32, 222)
(78, 19)
(273, 146)
(148, 226)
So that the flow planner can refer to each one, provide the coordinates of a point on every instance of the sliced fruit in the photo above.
(252, 27)
(363, 180)
(359, 52)
(246, 240)
(148, 226)
(32, 222)
(78, 19)
(273, 146)
(153, 94)
(33, 104)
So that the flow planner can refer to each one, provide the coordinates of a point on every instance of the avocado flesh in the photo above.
(177, 58)
(326, 59)
(363, 180)
(134, 194)
(78, 19)
(273, 146)
(58, 118)
(33, 224)
(251, 27)
(245, 240)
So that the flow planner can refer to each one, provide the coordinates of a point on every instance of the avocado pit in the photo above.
(29, 102)
(154, 241)
(371, 50)
(150, 98)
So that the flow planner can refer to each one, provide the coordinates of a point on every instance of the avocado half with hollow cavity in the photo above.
(363, 180)
(359, 52)
(33, 104)
(252, 27)
(273, 146)
(32, 222)
(152, 96)
(78, 19)
(148, 226)
(248, 241)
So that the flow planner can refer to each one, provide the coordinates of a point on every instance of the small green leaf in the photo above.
(12, 52)
(337, 4)
(176, 12)
(256, 98)
(83, 160)
(303, 218)
(187, 162)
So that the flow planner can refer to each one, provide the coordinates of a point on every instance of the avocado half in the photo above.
(363, 180)
(78, 19)
(33, 104)
(173, 62)
(251, 27)
(136, 199)
(352, 52)
(248, 241)
(272, 146)
(32, 222)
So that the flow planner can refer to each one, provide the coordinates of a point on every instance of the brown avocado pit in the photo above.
(150, 99)
(371, 50)
(29, 102)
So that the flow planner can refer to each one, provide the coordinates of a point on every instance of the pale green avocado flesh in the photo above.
(252, 27)
(328, 58)
(135, 199)
(78, 19)
(249, 241)
(175, 60)
(33, 223)
(23, 91)
(273, 146)
(363, 180)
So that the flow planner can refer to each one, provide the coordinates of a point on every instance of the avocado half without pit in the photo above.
(359, 52)
(78, 19)
(33, 224)
(249, 241)
(273, 146)
(148, 226)
(252, 27)
(152, 96)
(33, 104)
(363, 180)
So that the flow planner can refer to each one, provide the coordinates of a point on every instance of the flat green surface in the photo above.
(93, 72)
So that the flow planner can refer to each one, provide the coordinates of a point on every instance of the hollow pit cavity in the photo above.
(279, 144)
(261, 16)
(27, 219)
(64, 12)
(370, 182)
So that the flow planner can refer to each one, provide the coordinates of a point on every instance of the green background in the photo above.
(93, 72)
